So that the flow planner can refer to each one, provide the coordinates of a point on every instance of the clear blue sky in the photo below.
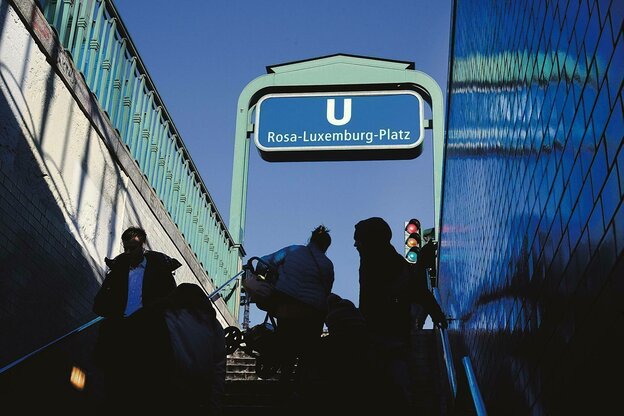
(201, 54)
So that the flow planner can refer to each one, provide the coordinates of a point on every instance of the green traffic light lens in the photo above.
(412, 256)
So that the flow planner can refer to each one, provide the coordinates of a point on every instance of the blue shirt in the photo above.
(135, 288)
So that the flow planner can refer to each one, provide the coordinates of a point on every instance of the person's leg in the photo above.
(307, 341)
(390, 372)
(286, 336)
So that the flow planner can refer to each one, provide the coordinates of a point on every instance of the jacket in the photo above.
(305, 273)
(158, 282)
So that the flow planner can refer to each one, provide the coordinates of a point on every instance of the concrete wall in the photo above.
(68, 188)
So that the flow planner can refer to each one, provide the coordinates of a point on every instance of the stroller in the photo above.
(259, 341)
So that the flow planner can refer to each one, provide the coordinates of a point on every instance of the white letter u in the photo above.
(331, 112)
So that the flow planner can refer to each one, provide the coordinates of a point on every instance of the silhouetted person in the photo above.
(133, 349)
(198, 346)
(388, 287)
(306, 277)
(345, 358)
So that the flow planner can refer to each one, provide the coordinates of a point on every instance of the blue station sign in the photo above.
(340, 126)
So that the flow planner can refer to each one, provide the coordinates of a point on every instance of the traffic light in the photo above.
(412, 240)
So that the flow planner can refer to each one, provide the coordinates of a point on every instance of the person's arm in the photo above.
(103, 302)
(168, 266)
(424, 297)
(432, 307)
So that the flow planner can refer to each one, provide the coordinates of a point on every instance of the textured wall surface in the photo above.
(533, 223)
(64, 201)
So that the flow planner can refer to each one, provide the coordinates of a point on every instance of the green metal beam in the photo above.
(329, 72)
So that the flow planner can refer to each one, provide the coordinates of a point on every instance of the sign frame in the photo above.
(330, 152)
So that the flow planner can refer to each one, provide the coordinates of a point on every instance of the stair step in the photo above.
(241, 367)
(241, 360)
(241, 376)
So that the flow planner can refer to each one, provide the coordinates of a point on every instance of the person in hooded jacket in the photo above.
(389, 285)
(133, 349)
(306, 277)
(199, 357)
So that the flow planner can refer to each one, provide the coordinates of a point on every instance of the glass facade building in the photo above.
(531, 260)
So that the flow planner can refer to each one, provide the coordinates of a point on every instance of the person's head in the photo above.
(191, 296)
(370, 234)
(321, 238)
(133, 240)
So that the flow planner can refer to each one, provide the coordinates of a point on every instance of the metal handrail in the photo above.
(446, 349)
(217, 290)
(49, 344)
(93, 322)
(475, 393)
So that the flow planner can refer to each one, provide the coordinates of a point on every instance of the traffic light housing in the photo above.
(413, 240)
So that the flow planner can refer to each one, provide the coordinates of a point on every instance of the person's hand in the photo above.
(440, 321)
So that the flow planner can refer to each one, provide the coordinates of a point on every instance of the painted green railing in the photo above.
(92, 32)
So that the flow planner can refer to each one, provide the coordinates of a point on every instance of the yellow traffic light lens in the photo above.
(411, 242)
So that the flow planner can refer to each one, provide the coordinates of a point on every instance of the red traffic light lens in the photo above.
(413, 226)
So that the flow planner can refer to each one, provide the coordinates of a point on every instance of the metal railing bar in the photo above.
(448, 360)
(475, 393)
(123, 31)
(210, 296)
(49, 344)
(446, 350)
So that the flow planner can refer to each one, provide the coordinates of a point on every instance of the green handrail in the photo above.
(92, 32)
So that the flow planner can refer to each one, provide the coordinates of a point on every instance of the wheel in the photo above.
(233, 337)
(266, 368)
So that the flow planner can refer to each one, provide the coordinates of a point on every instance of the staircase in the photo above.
(240, 367)
(246, 394)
